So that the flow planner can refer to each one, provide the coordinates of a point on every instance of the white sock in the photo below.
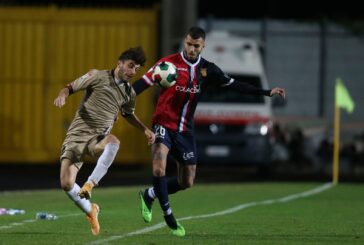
(83, 204)
(103, 163)
(151, 193)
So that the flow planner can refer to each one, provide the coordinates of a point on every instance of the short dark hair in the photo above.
(136, 54)
(196, 32)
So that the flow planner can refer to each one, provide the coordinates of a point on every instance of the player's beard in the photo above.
(191, 59)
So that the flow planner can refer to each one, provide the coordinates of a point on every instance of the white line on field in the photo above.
(224, 212)
(16, 224)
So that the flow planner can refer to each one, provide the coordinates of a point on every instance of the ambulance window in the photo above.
(226, 95)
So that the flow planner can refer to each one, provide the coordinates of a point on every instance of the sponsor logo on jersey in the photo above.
(194, 90)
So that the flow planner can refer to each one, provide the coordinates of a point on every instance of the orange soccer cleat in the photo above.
(92, 218)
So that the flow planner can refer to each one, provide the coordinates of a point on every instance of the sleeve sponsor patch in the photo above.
(85, 76)
(88, 74)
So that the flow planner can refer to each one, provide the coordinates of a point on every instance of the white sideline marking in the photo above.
(224, 212)
(11, 225)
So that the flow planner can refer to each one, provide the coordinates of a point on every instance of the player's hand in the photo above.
(279, 91)
(150, 136)
(60, 101)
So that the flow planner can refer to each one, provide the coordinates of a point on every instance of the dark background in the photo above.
(346, 13)
(278, 9)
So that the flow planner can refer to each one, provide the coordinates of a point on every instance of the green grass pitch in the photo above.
(332, 216)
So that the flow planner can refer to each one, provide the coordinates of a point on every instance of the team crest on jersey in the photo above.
(204, 72)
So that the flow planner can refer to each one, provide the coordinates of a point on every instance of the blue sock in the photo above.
(173, 185)
(160, 189)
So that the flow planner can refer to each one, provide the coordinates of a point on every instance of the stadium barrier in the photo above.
(44, 48)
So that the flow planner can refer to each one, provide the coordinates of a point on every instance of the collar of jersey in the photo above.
(189, 63)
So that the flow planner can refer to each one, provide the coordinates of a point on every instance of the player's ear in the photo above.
(120, 63)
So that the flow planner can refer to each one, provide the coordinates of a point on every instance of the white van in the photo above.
(232, 128)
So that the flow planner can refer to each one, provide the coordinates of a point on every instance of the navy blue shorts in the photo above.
(182, 146)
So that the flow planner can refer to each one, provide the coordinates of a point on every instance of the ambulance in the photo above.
(230, 127)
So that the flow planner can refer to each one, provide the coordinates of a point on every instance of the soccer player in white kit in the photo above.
(107, 92)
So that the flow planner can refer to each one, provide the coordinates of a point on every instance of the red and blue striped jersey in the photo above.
(176, 105)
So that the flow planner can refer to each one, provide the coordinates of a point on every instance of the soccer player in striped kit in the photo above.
(173, 121)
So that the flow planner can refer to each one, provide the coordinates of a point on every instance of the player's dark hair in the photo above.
(136, 54)
(196, 32)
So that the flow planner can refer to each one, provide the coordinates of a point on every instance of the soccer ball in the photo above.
(165, 74)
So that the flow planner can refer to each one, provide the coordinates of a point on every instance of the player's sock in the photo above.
(171, 221)
(150, 193)
(149, 197)
(83, 204)
(104, 162)
(160, 189)
(173, 185)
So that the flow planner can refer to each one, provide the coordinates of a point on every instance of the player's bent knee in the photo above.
(66, 185)
(112, 139)
(159, 172)
(186, 184)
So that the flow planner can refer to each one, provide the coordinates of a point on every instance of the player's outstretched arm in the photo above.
(62, 96)
(140, 85)
(247, 88)
(135, 121)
